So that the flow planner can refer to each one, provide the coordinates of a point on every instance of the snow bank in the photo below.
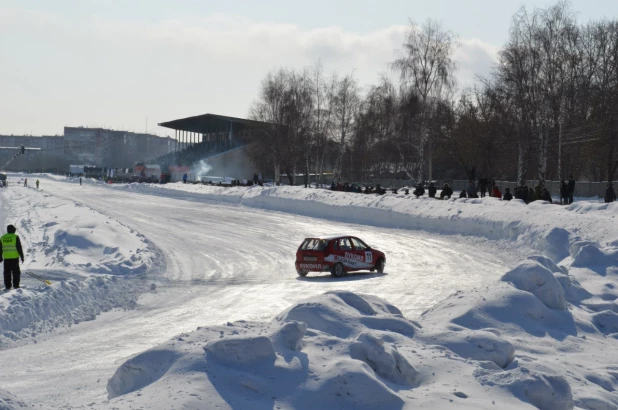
(26, 313)
(288, 363)
(543, 391)
(535, 278)
(10, 402)
(58, 234)
(66, 243)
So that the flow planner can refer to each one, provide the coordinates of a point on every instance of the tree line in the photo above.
(549, 109)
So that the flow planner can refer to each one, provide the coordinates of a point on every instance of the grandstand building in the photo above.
(220, 140)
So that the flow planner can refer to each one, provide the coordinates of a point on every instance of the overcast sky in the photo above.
(115, 63)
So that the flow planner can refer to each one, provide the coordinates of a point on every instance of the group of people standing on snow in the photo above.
(26, 183)
(484, 188)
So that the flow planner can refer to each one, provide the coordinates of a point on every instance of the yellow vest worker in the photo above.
(11, 252)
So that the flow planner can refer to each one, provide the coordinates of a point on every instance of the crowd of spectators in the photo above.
(485, 187)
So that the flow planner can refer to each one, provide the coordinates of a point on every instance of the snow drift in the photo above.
(67, 243)
(385, 362)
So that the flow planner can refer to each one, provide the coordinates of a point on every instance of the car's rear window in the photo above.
(313, 244)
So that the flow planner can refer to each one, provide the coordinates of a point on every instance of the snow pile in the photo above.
(10, 402)
(66, 243)
(32, 312)
(375, 359)
(535, 278)
(59, 234)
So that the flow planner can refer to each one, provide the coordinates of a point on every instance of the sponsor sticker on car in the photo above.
(310, 266)
(310, 258)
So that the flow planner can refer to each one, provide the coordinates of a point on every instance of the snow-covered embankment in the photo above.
(85, 254)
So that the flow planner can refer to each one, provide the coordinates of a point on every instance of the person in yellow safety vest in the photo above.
(37, 184)
(11, 252)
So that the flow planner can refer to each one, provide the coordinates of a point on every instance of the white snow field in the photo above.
(484, 304)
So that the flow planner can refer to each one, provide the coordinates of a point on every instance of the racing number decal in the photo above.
(368, 257)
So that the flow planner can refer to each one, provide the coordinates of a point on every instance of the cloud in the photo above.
(94, 71)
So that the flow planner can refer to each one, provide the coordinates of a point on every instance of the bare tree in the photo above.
(284, 111)
(426, 67)
(345, 103)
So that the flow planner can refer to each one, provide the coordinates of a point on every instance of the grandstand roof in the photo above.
(207, 123)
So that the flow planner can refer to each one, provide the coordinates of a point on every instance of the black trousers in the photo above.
(11, 273)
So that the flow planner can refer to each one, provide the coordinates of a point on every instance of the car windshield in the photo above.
(314, 244)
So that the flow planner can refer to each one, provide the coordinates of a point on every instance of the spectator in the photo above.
(496, 192)
(507, 195)
(260, 179)
(538, 192)
(530, 195)
(472, 190)
(184, 178)
(564, 193)
(610, 194)
(431, 190)
(447, 191)
(483, 186)
(333, 186)
(545, 196)
(255, 179)
(571, 188)
(462, 194)
(406, 191)
(419, 191)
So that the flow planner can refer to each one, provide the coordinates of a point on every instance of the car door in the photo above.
(346, 253)
(363, 252)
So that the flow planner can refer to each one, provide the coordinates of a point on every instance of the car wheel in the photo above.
(380, 265)
(301, 273)
(338, 270)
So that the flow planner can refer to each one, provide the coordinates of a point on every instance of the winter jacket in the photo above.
(432, 191)
(545, 196)
(446, 192)
(496, 192)
(507, 197)
(537, 192)
(610, 194)
(472, 191)
(571, 187)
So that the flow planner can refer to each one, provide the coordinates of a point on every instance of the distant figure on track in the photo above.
(80, 180)
(37, 184)
(26, 182)
(10, 253)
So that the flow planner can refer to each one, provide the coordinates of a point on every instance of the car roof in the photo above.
(330, 237)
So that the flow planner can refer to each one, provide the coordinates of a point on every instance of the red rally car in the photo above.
(338, 255)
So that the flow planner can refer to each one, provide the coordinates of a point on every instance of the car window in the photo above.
(359, 245)
(314, 244)
(345, 244)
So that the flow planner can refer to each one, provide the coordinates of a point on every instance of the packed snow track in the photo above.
(226, 263)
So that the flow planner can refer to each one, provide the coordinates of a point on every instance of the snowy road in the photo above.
(227, 263)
